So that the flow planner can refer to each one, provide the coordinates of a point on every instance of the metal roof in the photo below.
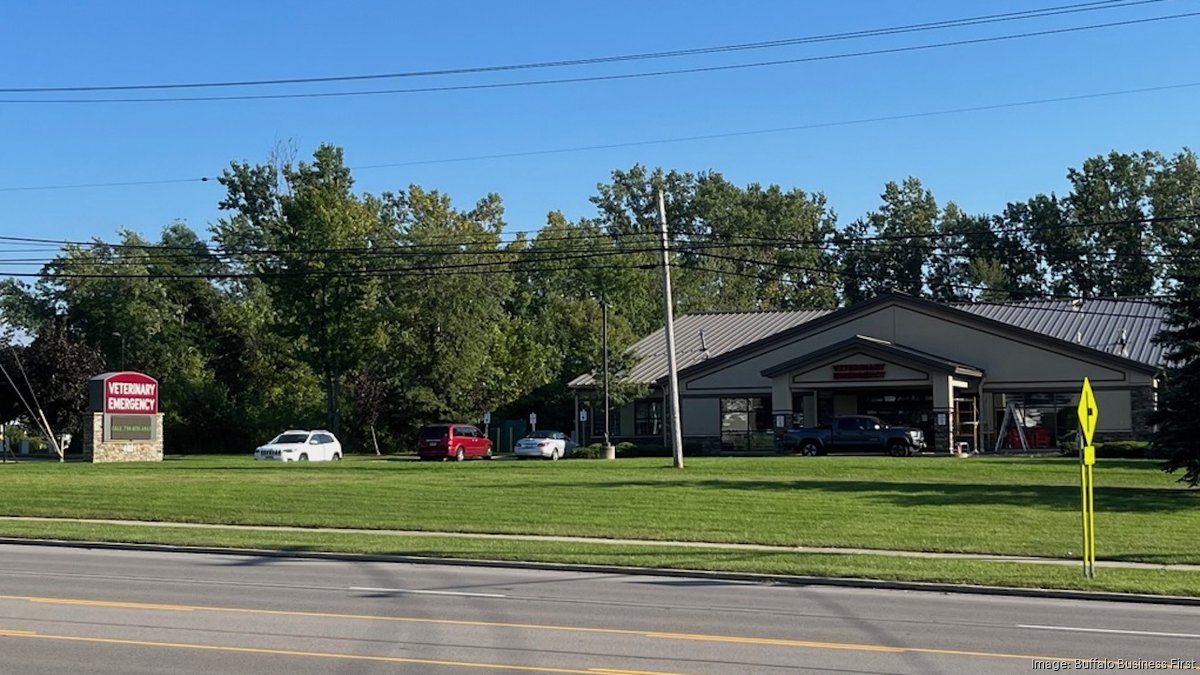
(1122, 327)
(723, 332)
(1099, 324)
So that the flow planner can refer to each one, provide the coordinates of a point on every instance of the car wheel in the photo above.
(303, 457)
(898, 450)
(337, 457)
(554, 455)
(489, 454)
(810, 448)
(460, 455)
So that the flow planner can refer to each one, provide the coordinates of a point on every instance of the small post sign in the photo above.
(533, 420)
(1089, 412)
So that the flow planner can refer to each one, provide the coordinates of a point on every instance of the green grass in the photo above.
(986, 573)
(978, 505)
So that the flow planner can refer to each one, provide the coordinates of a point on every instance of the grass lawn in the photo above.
(980, 505)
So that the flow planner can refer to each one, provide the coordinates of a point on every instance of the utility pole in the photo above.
(604, 329)
(668, 307)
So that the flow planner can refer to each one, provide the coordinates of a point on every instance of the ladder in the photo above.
(1011, 414)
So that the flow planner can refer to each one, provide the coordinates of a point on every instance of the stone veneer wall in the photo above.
(121, 451)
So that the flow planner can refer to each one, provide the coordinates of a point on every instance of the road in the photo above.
(66, 610)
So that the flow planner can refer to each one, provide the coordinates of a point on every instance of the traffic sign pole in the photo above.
(1086, 521)
(1089, 412)
(1092, 517)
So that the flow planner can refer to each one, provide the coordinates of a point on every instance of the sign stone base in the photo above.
(121, 451)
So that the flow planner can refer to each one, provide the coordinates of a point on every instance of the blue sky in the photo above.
(980, 159)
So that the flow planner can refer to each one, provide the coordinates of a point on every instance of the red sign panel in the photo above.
(131, 394)
(860, 371)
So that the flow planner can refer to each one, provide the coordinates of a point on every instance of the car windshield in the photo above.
(543, 434)
(432, 433)
(290, 438)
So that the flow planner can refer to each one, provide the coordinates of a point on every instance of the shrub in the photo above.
(593, 451)
(632, 450)
(1117, 450)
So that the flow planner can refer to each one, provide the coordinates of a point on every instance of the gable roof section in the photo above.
(877, 347)
(1100, 322)
(723, 332)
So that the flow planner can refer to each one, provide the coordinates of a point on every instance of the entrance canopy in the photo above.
(863, 360)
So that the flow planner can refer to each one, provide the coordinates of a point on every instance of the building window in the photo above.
(746, 424)
(1047, 419)
(596, 417)
(648, 418)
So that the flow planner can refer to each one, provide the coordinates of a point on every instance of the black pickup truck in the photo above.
(853, 433)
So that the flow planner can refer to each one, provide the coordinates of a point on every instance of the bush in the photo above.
(1118, 450)
(632, 450)
(593, 451)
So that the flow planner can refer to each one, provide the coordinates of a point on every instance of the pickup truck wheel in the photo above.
(810, 448)
(460, 455)
(898, 450)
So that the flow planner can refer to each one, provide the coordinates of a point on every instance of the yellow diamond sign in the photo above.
(1088, 412)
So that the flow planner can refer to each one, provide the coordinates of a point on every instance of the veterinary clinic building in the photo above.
(986, 374)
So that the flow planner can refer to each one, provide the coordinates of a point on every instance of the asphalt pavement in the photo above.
(77, 610)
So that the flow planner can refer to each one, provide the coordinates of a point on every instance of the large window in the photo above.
(648, 418)
(596, 417)
(1047, 419)
(746, 423)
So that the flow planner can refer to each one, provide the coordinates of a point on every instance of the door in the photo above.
(846, 434)
(478, 443)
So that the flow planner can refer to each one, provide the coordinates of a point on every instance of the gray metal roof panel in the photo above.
(1097, 324)
(723, 332)
(1100, 323)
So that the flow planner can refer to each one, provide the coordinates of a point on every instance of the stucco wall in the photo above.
(700, 416)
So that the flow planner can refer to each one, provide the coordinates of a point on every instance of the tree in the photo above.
(1176, 199)
(1178, 425)
(311, 245)
(891, 249)
(453, 348)
(761, 248)
(58, 365)
(1109, 207)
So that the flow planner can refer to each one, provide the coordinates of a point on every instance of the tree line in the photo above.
(310, 304)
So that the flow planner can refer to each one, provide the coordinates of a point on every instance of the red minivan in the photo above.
(453, 441)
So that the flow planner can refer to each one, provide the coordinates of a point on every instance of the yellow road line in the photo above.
(317, 655)
(850, 646)
(110, 603)
(698, 637)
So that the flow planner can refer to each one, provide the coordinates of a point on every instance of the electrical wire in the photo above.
(876, 32)
(659, 141)
(600, 78)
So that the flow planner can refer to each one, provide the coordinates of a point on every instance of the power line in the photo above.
(808, 281)
(455, 247)
(695, 51)
(599, 78)
(663, 141)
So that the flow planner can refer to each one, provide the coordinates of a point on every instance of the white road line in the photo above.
(1076, 629)
(409, 590)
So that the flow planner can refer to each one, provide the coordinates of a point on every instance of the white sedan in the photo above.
(301, 446)
(544, 444)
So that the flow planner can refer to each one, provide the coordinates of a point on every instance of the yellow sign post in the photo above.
(1088, 413)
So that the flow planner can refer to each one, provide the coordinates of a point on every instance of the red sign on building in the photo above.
(124, 394)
